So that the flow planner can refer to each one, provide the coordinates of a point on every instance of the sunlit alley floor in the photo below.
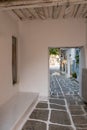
(60, 85)
(63, 110)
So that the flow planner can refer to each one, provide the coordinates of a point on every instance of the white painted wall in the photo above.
(36, 37)
(8, 27)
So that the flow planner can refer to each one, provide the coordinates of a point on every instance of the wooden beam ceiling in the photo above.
(14, 4)
(44, 9)
(52, 12)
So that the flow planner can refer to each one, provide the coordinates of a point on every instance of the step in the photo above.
(14, 109)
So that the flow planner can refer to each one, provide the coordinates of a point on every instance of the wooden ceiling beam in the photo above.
(62, 13)
(53, 11)
(69, 11)
(84, 15)
(31, 13)
(76, 12)
(43, 10)
(81, 10)
(39, 12)
(16, 4)
(56, 12)
(46, 13)
(22, 11)
(50, 11)
(59, 11)
(16, 14)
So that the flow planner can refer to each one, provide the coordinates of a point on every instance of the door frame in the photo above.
(81, 48)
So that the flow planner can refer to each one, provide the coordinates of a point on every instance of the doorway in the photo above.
(64, 66)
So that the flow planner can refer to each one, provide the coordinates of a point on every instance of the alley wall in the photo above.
(36, 37)
(8, 28)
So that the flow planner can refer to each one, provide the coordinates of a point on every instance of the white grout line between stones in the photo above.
(49, 109)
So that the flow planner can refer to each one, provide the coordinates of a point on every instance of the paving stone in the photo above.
(40, 114)
(79, 120)
(34, 125)
(82, 126)
(80, 102)
(81, 129)
(75, 107)
(57, 101)
(53, 96)
(58, 127)
(57, 97)
(44, 101)
(60, 94)
(60, 117)
(85, 108)
(68, 86)
(77, 97)
(70, 100)
(76, 110)
(61, 97)
(42, 105)
(53, 106)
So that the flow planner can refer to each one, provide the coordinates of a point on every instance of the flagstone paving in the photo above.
(57, 101)
(76, 110)
(60, 117)
(79, 120)
(54, 116)
(63, 110)
(59, 127)
(85, 107)
(54, 106)
(42, 105)
(69, 86)
(39, 114)
(34, 125)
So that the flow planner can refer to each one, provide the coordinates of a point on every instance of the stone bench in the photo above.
(13, 111)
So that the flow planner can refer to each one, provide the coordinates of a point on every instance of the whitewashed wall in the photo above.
(8, 27)
(36, 37)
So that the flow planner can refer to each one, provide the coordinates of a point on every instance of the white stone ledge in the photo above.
(14, 109)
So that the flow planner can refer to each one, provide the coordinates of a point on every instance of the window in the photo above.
(14, 60)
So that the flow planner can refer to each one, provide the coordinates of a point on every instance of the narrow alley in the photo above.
(60, 85)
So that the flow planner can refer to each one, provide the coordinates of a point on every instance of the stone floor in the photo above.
(58, 114)
(59, 83)
(63, 110)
